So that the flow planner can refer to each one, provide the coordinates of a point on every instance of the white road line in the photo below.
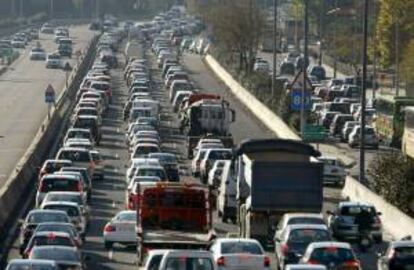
(110, 254)
(116, 156)
(113, 203)
(118, 130)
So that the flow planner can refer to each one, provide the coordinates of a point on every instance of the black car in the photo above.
(399, 256)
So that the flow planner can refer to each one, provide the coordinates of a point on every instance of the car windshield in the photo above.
(305, 220)
(55, 254)
(145, 150)
(306, 236)
(52, 239)
(79, 134)
(38, 50)
(70, 210)
(47, 217)
(332, 254)
(31, 266)
(75, 155)
(52, 167)
(84, 123)
(238, 247)
(54, 56)
(183, 263)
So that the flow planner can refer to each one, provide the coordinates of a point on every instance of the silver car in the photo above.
(34, 264)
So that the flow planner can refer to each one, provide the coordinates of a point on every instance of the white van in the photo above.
(226, 200)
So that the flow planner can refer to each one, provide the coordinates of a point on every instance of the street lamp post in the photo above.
(363, 97)
(274, 47)
(304, 72)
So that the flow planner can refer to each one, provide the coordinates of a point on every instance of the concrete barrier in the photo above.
(394, 221)
(269, 119)
(22, 182)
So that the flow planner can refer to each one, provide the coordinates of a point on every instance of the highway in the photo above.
(108, 195)
(22, 103)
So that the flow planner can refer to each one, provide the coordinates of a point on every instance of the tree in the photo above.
(237, 28)
(393, 179)
(394, 15)
(407, 68)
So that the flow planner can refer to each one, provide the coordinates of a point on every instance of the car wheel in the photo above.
(224, 218)
(108, 245)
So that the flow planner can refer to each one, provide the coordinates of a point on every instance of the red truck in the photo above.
(174, 216)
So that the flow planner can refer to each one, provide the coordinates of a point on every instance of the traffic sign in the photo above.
(296, 100)
(50, 94)
(314, 133)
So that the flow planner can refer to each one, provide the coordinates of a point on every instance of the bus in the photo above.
(389, 123)
(408, 135)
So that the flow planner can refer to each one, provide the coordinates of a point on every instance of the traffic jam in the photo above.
(270, 190)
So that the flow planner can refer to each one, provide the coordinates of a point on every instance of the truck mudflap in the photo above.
(193, 141)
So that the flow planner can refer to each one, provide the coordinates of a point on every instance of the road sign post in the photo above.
(50, 98)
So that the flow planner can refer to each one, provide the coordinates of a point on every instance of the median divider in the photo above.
(257, 108)
(21, 184)
(394, 220)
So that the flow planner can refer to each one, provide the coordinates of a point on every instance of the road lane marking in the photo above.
(114, 203)
(110, 254)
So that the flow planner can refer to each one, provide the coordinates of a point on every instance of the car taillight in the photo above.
(391, 254)
(109, 228)
(311, 261)
(79, 187)
(266, 261)
(27, 254)
(220, 261)
(130, 203)
(285, 249)
(352, 263)
(27, 232)
(41, 186)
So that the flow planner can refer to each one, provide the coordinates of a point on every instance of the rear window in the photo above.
(31, 266)
(47, 217)
(71, 211)
(65, 198)
(55, 255)
(306, 220)
(354, 210)
(327, 255)
(75, 156)
(58, 184)
(240, 247)
(84, 123)
(152, 172)
(51, 167)
(100, 86)
(306, 236)
(79, 134)
(220, 155)
(145, 150)
(52, 240)
(183, 263)
(401, 252)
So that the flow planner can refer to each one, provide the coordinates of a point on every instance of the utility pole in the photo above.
(304, 72)
(321, 14)
(52, 4)
(397, 56)
(275, 4)
(363, 98)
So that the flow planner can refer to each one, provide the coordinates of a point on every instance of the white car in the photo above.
(239, 253)
(333, 172)
(215, 173)
(53, 60)
(210, 157)
(121, 229)
(153, 259)
(38, 54)
(298, 218)
(371, 138)
(187, 260)
(74, 211)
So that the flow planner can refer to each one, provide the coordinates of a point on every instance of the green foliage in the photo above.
(394, 14)
(407, 68)
(393, 179)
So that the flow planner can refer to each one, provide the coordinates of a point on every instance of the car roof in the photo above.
(157, 252)
(345, 204)
(305, 267)
(329, 244)
(306, 226)
(228, 240)
(58, 161)
(397, 244)
(73, 149)
(188, 253)
(65, 203)
(53, 247)
(63, 193)
(310, 215)
(36, 211)
(54, 176)
(33, 261)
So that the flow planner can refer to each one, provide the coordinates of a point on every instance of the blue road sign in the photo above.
(296, 100)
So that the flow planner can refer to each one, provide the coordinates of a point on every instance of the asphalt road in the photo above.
(109, 194)
(22, 105)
